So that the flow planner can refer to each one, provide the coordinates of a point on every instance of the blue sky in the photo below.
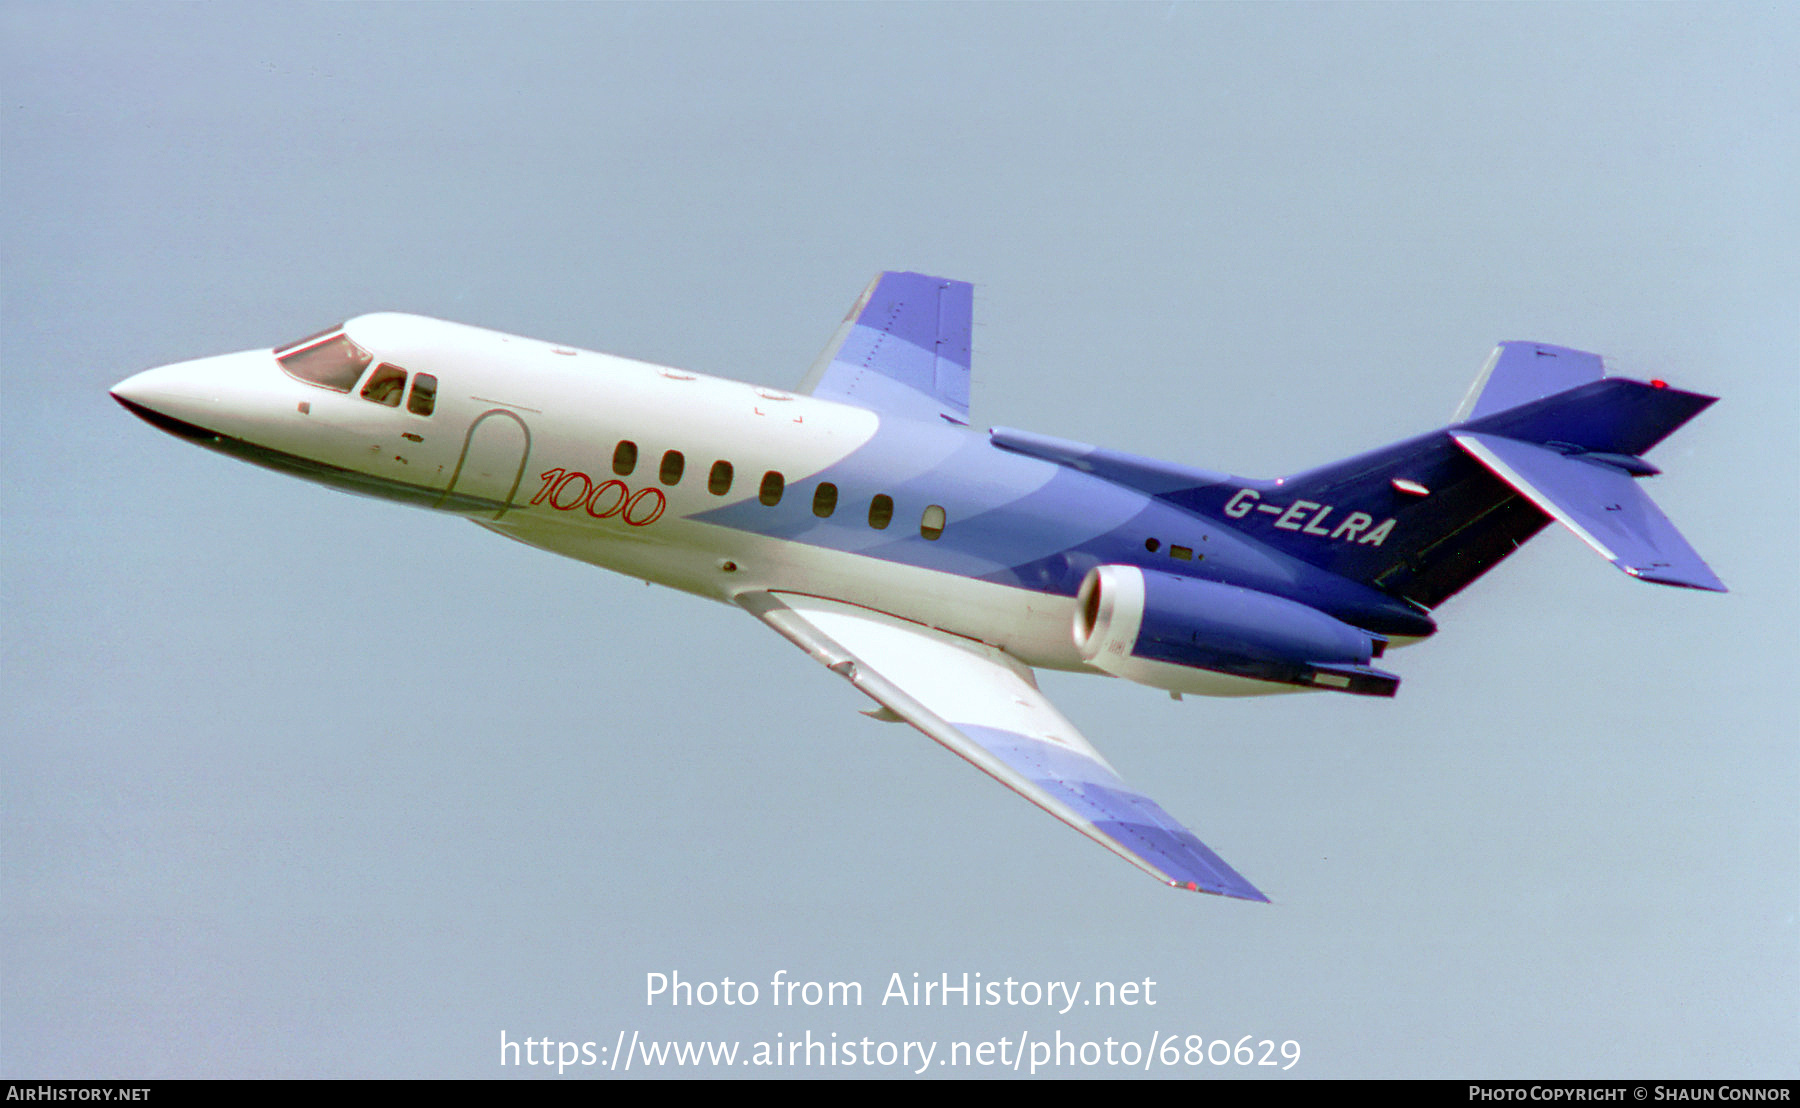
(296, 783)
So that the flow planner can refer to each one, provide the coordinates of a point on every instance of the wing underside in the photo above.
(985, 707)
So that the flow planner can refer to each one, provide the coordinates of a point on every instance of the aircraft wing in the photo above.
(985, 706)
(903, 350)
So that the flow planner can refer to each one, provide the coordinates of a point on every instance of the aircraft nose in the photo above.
(146, 389)
(192, 399)
(167, 399)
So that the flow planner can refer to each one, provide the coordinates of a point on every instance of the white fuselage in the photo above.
(534, 428)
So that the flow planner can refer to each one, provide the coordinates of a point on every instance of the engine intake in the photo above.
(1185, 634)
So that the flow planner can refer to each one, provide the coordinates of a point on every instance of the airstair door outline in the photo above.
(492, 464)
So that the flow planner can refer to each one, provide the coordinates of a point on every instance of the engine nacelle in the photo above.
(1185, 634)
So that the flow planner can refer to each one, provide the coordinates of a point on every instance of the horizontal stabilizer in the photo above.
(1601, 503)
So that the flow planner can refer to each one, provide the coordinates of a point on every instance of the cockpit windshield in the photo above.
(328, 359)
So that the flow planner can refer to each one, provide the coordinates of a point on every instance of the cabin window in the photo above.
(824, 499)
(772, 484)
(385, 385)
(1152, 545)
(625, 458)
(881, 511)
(718, 482)
(672, 465)
(424, 394)
(336, 363)
(931, 524)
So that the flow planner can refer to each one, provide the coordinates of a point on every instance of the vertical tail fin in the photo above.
(1519, 372)
(1541, 436)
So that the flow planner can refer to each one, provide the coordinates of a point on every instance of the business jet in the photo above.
(935, 566)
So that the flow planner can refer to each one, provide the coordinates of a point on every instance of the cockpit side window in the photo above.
(424, 394)
(335, 363)
(385, 385)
